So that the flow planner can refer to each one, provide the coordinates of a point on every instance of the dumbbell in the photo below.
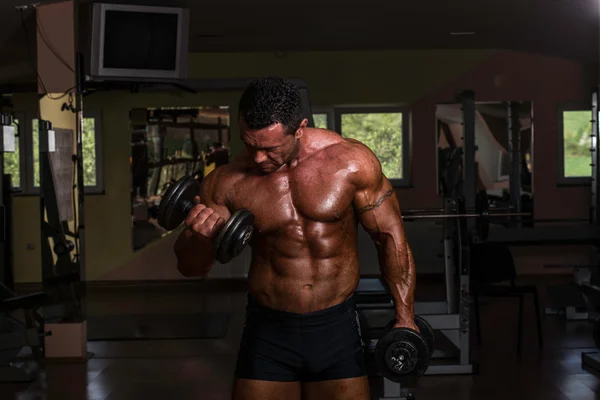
(177, 202)
(404, 352)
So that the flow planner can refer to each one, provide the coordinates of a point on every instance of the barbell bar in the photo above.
(437, 211)
(467, 215)
(481, 213)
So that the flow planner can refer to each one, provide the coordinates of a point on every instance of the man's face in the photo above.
(270, 147)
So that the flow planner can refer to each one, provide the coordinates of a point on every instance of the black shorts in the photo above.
(289, 347)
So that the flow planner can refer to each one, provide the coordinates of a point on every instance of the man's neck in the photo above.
(303, 150)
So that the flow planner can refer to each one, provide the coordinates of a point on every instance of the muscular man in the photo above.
(308, 188)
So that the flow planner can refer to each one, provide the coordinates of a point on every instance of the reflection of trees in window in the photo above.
(382, 133)
(36, 152)
(88, 143)
(320, 120)
(577, 129)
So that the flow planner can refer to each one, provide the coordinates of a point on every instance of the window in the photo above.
(320, 120)
(88, 143)
(91, 137)
(323, 117)
(576, 143)
(12, 160)
(35, 134)
(384, 131)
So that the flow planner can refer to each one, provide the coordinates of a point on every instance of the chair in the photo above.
(14, 334)
(493, 274)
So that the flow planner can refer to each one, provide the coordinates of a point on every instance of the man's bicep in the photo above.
(377, 207)
(375, 200)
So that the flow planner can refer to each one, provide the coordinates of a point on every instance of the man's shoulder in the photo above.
(348, 150)
(358, 160)
(217, 184)
(227, 173)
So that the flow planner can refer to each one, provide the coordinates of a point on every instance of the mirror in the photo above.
(507, 182)
(166, 144)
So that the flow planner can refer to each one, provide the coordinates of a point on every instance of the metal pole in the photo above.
(419, 211)
(514, 143)
(469, 150)
(80, 209)
(449, 260)
(3, 214)
(469, 215)
(469, 190)
(7, 278)
(595, 201)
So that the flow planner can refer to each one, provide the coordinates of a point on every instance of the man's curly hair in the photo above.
(271, 100)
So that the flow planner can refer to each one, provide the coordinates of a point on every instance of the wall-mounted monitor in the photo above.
(130, 41)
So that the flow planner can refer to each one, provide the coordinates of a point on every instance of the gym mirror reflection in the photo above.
(166, 144)
(503, 133)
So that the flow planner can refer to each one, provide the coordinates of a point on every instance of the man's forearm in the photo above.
(194, 255)
(398, 269)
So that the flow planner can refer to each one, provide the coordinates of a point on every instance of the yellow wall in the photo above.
(332, 77)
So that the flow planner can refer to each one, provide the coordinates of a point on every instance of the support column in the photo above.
(514, 148)
(469, 149)
(595, 136)
(469, 192)
(63, 271)
(595, 198)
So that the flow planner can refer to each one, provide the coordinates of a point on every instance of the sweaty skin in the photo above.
(308, 192)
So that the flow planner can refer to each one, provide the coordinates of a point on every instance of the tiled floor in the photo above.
(202, 369)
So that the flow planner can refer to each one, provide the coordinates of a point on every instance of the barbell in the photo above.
(481, 213)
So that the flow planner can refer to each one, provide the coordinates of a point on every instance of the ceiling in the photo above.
(564, 28)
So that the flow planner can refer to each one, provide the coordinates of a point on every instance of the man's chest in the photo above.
(295, 197)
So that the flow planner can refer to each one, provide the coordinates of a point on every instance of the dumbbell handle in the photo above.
(186, 206)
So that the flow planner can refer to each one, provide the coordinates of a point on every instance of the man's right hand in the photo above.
(204, 221)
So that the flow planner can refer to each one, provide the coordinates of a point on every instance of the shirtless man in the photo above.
(308, 188)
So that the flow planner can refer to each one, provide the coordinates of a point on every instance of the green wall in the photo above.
(333, 78)
(348, 77)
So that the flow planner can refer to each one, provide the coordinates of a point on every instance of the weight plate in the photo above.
(427, 332)
(596, 332)
(234, 236)
(424, 329)
(400, 353)
(172, 210)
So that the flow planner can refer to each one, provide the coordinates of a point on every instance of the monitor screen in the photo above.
(140, 40)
